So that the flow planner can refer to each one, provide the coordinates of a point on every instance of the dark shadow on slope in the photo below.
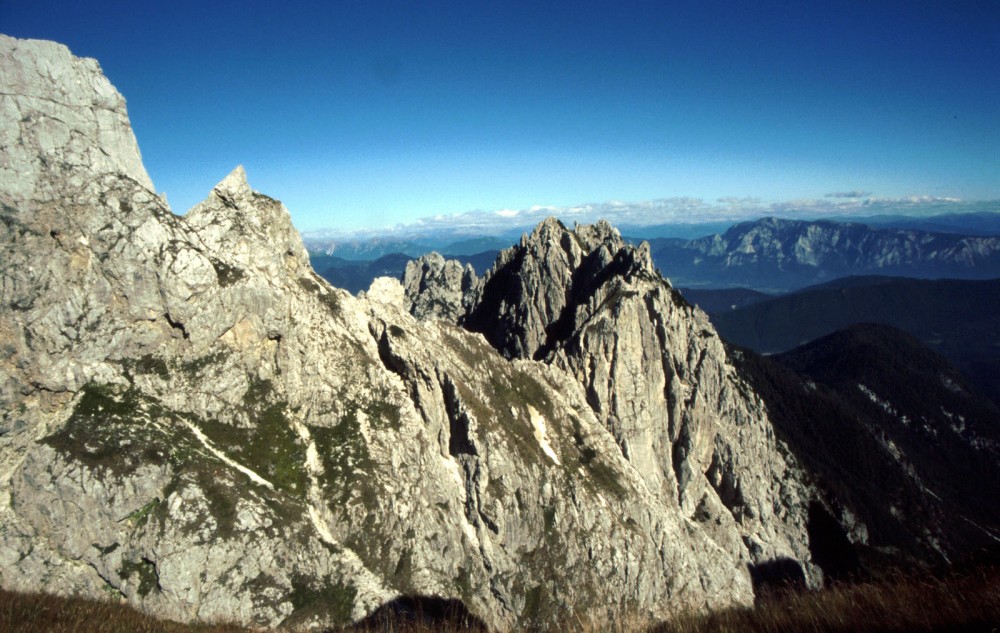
(829, 546)
(427, 612)
(776, 576)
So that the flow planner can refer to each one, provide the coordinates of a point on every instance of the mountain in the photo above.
(960, 319)
(363, 249)
(355, 276)
(775, 255)
(894, 430)
(195, 421)
(983, 223)
(714, 300)
(656, 376)
(579, 300)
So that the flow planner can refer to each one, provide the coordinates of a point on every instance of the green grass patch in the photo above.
(271, 448)
(107, 426)
(140, 516)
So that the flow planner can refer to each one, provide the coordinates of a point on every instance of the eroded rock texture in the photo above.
(656, 375)
(438, 288)
(193, 420)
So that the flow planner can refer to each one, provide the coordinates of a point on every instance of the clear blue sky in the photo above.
(364, 114)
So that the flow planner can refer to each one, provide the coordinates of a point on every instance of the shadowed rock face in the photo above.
(655, 373)
(193, 419)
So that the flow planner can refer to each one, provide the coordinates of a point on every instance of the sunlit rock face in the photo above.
(438, 287)
(655, 374)
(196, 421)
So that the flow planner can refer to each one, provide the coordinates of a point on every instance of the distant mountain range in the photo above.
(770, 254)
(370, 249)
(983, 223)
(781, 255)
(354, 276)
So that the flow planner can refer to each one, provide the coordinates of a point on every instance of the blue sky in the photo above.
(367, 114)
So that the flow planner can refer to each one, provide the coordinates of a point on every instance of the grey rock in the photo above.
(775, 254)
(656, 375)
(62, 118)
(440, 288)
(196, 422)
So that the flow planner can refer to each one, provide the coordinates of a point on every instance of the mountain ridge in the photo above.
(196, 421)
(779, 255)
(193, 419)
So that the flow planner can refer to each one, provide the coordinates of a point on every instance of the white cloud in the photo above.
(849, 194)
(679, 210)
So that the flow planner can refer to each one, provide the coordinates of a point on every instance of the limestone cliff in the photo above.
(196, 422)
(656, 375)
(438, 288)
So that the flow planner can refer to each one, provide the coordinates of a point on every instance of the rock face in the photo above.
(193, 420)
(656, 376)
(438, 288)
(61, 118)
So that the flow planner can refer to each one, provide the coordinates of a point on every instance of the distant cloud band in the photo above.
(681, 210)
(849, 194)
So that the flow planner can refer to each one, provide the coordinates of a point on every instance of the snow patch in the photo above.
(538, 424)
(254, 477)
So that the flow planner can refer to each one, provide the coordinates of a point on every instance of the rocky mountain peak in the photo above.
(234, 186)
(656, 375)
(53, 108)
(439, 288)
(526, 299)
(254, 229)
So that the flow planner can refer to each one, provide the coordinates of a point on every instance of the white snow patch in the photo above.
(538, 424)
(320, 525)
(257, 479)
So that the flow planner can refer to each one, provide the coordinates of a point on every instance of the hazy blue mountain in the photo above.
(687, 230)
(723, 299)
(983, 223)
(777, 255)
(371, 248)
(354, 276)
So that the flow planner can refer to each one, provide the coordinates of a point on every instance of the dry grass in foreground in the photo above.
(964, 603)
(960, 603)
(38, 613)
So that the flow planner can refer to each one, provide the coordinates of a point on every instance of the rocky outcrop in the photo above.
(656, 375)
(62, 119)
(195, 422)
(439, 288)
